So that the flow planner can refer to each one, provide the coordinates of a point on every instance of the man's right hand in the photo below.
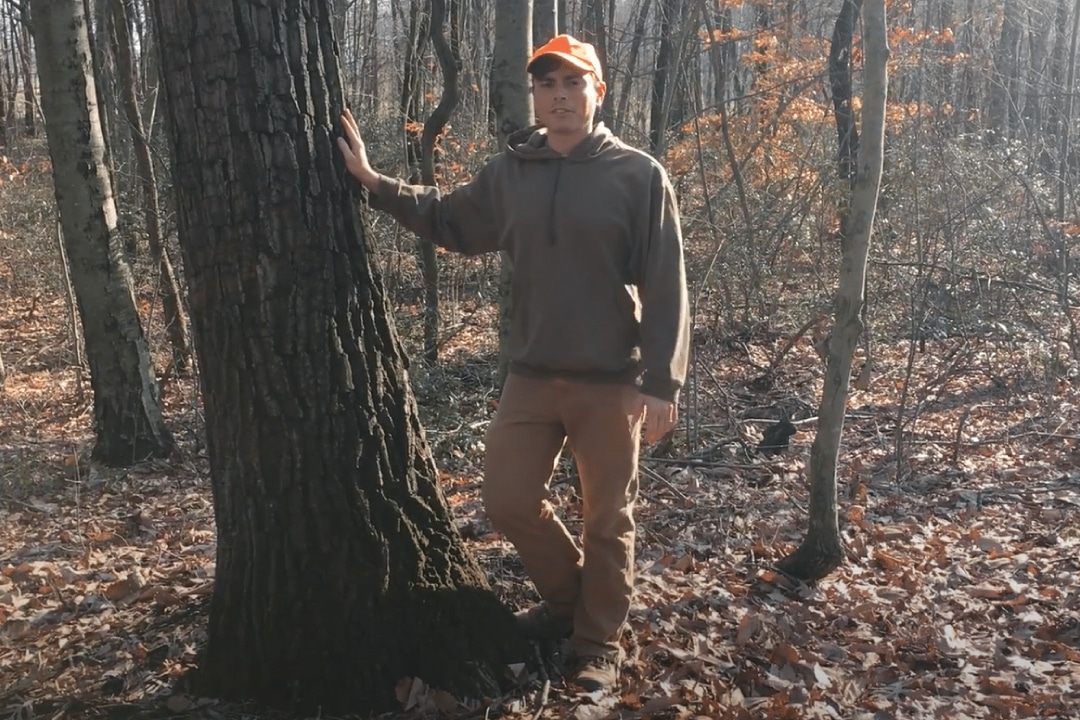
(355, 154)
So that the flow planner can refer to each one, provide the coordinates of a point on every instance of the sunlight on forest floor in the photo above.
(960, 597)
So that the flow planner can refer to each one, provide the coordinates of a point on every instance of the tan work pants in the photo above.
(601, 426)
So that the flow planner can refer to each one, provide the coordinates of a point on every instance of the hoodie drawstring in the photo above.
(552, 236)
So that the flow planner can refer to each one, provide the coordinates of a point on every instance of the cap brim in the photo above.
(566, 58)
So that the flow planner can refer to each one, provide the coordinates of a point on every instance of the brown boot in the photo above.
(540, 623)
(594, 672)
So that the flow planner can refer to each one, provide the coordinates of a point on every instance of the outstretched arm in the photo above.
(461, 220)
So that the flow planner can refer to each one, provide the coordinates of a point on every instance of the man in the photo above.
(598, 342)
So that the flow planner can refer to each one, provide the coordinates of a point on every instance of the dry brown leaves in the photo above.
(960, 597)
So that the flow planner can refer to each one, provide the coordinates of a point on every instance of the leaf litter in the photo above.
(959, 597)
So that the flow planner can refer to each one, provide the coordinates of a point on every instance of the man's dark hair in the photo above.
(543, 65)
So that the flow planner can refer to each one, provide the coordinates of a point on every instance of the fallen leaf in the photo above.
(749, 626)
(987, 590)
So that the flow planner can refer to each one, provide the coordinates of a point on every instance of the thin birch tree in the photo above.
(821, 551)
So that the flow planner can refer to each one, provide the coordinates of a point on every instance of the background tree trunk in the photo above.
(418, 29)
(545, 21)
(1063, 184)
(127, 410)
(29, 122)
(594, 30)
(1004, 94)
(450, 63)
(339, 571)
(663, 74)
(630, 66)
(820, 552)
(511, 102)
(174, 316)
(847, 134)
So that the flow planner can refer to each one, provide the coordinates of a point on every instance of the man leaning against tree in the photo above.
(599, 338)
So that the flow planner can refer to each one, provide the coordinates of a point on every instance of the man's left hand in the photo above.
(658, 417)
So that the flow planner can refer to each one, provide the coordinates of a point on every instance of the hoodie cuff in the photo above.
(665, 389)
(383, 198)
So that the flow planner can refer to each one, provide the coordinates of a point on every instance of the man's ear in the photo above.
(601, 91)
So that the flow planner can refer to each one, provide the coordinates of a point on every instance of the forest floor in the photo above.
(960, 596)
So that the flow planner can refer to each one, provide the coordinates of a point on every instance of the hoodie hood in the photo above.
(531, 143)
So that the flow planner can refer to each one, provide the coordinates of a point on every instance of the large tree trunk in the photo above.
(511, 102)
(339, 571)
(820, 552)
(174, 316)
(127, 411)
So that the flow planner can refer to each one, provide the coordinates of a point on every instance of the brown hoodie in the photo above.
(588, 234)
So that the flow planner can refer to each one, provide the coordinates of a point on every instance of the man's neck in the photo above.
(564, 143)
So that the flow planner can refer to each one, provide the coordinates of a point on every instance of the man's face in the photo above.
(566, 99)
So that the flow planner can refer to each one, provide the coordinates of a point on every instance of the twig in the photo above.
(652, 474)
(545, 689)
(772, 421)
(817, 318)
(541, 701)
(685, 462)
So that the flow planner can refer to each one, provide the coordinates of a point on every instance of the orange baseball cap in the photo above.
(581, 55)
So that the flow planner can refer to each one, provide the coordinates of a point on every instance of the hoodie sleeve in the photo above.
(461, 220)
(665, 315)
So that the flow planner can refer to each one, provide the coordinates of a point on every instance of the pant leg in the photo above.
(523, 444)
(604, 431)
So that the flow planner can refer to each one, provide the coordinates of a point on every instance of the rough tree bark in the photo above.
(127, 410)
(820, 552)
(339, 571)
(174, 315)
(511, 102)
